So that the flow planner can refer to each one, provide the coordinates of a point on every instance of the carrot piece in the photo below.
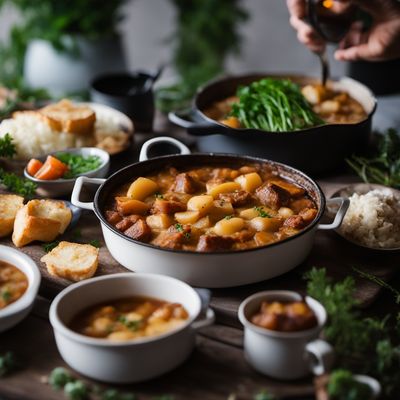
(33, 166)
(52, 169)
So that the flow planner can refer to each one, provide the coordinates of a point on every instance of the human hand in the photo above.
(380, 42)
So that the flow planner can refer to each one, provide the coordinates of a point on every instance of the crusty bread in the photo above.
(65, 116)
(72, 261)
(40, 220)
(9, 205)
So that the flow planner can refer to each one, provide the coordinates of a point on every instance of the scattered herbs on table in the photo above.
(76, 390)
(114, 394)
(262, 213)
(8, 363)
(274, 105)
(47, 247)
(59, 377)
(383, 165)
(95, 243)
(354, 336)
(78, 164)
(11, 181)
(264, 395)
(343, 386)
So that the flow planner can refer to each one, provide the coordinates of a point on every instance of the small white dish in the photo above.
(134, 360)
(361, 188)
(285, 355)
(17, 311)
(62, 187)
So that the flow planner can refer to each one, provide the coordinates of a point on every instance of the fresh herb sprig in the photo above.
(262, 213)
(343, 386)
(16, 184)
(8, 363)
(7, 147)
(274, 105)
(78, 164)
(383, 166)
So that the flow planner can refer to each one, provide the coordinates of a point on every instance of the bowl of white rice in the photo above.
(373, 217)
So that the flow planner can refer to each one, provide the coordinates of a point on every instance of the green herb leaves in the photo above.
(131, 325)
(47, 247)
(7, 363)
(78, 164)
(7, 147)
(262, 213)
(383, 167)
(16, 184)
(274, 105)
(343, 386)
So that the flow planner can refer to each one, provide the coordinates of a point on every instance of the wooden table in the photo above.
(217, 367)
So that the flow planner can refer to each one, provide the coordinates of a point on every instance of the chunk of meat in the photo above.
(209, 243)
(113, 217)
(295, 221)
(127, 222)
(243, 236)
(272, 196)
(167, 207)
(308, 214)
(223, 174)
(169, 240)
(237, 198)
(300, 204)
(184, 183)
(139, 231)
(294, 190)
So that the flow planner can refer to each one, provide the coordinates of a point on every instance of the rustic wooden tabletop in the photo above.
(217, 367)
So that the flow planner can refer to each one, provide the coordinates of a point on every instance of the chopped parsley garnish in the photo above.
(179, 227)
(78, 164)
(159, 196)
(47, 247)
(5, 295)
(262, 213)
(16, 184)
(131, 325)
(228, 216)
(187, 235)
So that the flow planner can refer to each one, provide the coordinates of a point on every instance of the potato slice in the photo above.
(187, 217)
(226, 187)
(265, 224)
(249, 182)
(285, 212)
(220, 209)
(203, 223)
(128, 206)
(141, 188)
(263, 238)
(228, 226)
(201, 203)
(159, 221)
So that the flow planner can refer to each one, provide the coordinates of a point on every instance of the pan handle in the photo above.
(77, 191)
(194, 124)
(343, 204)
(144, 151)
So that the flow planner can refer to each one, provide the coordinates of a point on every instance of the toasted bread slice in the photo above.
(9, 205)
(72, 261)
(40, 220)
(65, 116)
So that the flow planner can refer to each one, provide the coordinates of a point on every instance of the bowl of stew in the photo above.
(345, 110)
(211, 220)
(19, 284)
(281, 334)
(126, 328)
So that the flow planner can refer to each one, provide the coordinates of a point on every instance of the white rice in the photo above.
(34, 138)
(373, 219)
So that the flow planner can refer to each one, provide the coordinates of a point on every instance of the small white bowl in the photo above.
(62, 187)
(134, 360)
(17, 311)
(285, 355)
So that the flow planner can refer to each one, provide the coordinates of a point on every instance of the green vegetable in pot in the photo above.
(343, 386)
(78, 164)
(274, 105)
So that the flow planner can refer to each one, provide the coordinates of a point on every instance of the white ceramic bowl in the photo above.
(62, 187)
(17, 311)
(284, 355)
(135, 360)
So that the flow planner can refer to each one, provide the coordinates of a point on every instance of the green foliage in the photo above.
(383, 166)
(7, 363)
(59, 377)
(78, 164)
(52, 20)
(275, 105)
(76, 390)
(343, 386)
(207, 32)
(354, 336)
(7, 147)
(264, 395)
(16, 184)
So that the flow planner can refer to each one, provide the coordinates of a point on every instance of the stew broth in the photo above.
(209, 209)
(129, 318)
(13, 284)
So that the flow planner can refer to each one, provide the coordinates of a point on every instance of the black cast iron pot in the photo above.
(315, 150)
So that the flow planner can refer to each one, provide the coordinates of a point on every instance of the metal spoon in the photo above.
(323, 58)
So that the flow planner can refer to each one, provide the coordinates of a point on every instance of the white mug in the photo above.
(285, 355)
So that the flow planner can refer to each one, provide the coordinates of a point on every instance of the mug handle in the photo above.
(76, 192)
(208, 320)
(344, 204)
(321, 356)
(144, 151)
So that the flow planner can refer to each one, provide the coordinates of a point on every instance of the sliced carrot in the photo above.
(33, 166)
(52, 169)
